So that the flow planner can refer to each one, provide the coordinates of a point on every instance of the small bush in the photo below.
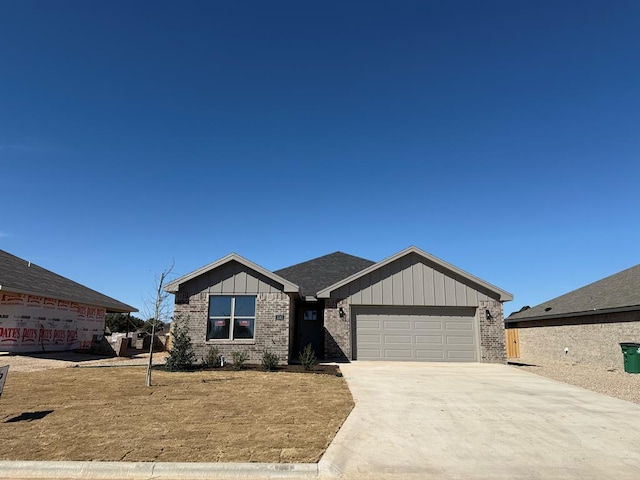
(212, 358)
(239, 359)
(308, 358)
(181, 356)
(269, 361)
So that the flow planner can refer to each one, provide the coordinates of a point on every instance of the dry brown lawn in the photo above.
(207, 416)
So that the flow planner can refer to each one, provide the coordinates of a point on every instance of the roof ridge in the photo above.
(321, 257)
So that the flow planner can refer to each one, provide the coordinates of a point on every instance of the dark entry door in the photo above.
(310, 328)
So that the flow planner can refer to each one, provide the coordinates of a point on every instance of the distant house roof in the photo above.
(314, 275)
(618, 292)
(326, 292)
(20, 276)
(288, 287)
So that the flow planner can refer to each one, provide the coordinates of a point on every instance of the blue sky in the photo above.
(500, 136)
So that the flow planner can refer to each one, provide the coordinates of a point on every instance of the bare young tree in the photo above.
(159, 308)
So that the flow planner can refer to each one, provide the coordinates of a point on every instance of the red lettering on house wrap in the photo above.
(59, 336)
(11, 299)
(33, 300)
(9, 335)
(50, 302)
(29, 335)
(45, 335)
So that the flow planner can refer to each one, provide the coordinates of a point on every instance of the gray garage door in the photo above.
(420, 334)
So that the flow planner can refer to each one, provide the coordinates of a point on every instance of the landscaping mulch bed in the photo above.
(220, 415)
(329, 369)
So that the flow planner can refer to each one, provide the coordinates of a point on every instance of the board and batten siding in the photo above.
(232, 278)
(412, 281)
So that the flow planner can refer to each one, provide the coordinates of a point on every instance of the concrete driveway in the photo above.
(479, 421)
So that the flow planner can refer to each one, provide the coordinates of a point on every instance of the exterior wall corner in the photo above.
(492, 337)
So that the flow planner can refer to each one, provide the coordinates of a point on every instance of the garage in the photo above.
(415, 307)
(416, 334)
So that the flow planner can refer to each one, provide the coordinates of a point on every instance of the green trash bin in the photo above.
(631, 355)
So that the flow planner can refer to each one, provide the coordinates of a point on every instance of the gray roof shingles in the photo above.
(20, 276)
(314, 275)
(618, 291)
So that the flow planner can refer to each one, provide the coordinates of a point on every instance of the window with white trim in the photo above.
(231, 317)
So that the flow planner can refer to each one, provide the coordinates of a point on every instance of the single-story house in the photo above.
(411, 306)
(582, 326)
(43, 311)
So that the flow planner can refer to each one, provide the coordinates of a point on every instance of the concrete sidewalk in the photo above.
(156, 471)
(480, 421)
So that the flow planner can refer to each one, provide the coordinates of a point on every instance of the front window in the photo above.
(231, 318)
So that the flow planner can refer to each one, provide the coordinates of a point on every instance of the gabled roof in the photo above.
(20, 276)
(618, 292)
(504, 295)
(314, 275)
(288, 287)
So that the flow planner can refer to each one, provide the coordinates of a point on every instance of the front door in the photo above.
(310, 328)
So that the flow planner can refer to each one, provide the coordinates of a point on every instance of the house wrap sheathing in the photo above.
(43, 311)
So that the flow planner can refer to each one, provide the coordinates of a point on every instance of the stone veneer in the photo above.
(492, 341)
(270, 334)
(594, 343)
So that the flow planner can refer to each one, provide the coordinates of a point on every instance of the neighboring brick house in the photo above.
(410, 306)
(43, 311)
(583, 326)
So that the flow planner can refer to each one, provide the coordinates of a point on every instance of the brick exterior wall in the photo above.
(594, 344)
(270, 334)
(337, 331)
(492, 344)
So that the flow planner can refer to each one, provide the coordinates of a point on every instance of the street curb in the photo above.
(153, 470)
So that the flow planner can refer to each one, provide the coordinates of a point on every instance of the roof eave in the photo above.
(583, 313)
(504, 295)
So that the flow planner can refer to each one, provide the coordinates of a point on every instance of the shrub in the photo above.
(181, 356)
(212, 358)
(308, 358)
(239, 359)
(269, 361)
